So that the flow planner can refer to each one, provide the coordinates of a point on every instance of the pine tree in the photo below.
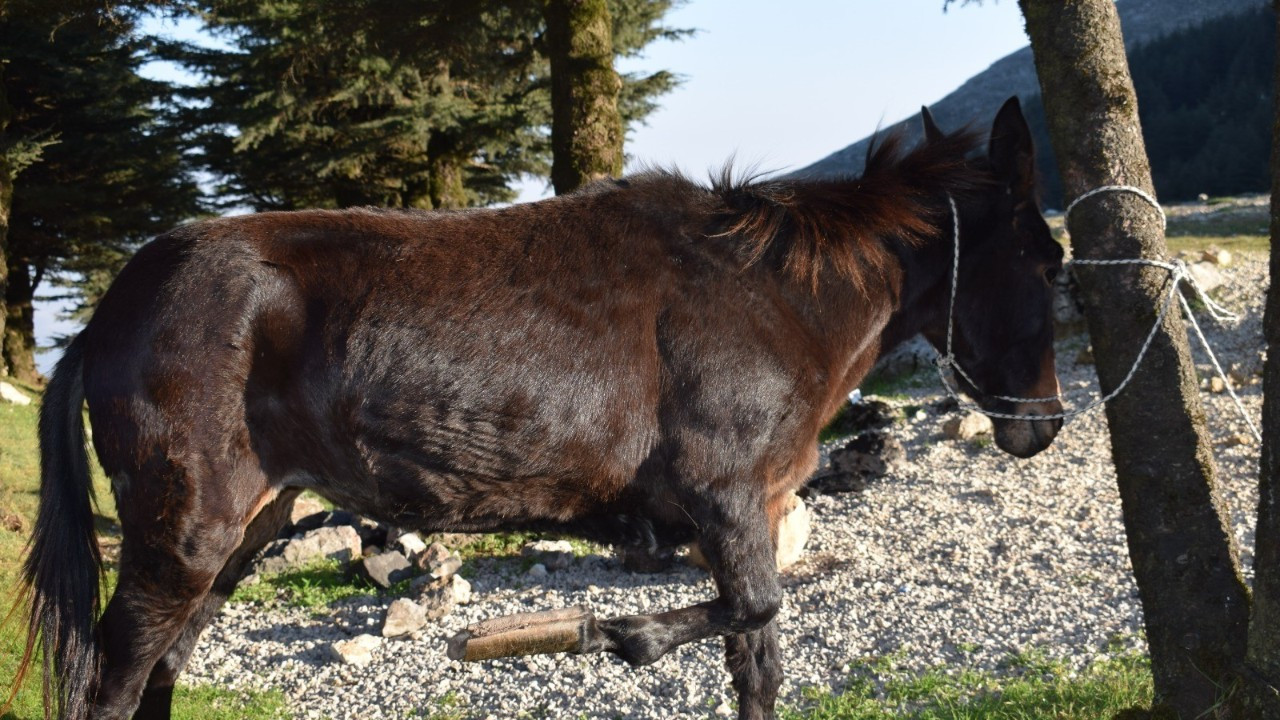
(95, 170)
(432, 104)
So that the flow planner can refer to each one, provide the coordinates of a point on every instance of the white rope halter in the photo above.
(1178, 274)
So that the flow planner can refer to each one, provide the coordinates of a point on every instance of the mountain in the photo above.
(1145, 24)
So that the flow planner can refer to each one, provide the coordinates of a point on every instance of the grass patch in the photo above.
(1235, 243)
(205, 702)
(502, 545)
(895, 387)
(1032, 686)
(313, 587)
(495, 545)
(447, 707)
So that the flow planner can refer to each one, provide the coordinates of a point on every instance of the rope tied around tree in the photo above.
(1178, 274)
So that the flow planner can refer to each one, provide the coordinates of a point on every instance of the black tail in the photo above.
(63, 566)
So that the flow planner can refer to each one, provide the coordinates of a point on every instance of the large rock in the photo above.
(438, 561)
(1217, 256)
(387, 569)
(357, 651)
(339, 543)
(403, 617)
(967, 427)
(411, 545)
(11, 394)
(437, 596)
(1207, 276)
(910, 357)
(793, 533)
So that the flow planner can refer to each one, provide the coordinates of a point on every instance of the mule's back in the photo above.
(446, 369)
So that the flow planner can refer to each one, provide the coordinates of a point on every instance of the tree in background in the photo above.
(1195, 603)
(94, 168)
(586, 128)
(433, 104)
(1204, 101)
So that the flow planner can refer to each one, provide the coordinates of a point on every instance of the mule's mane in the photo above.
(807, 225)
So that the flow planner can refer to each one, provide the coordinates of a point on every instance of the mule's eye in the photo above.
(1050, 274)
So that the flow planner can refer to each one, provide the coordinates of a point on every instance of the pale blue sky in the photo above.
(786, 87)
(783, 84)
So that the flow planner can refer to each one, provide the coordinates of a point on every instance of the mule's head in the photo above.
(1003, 327)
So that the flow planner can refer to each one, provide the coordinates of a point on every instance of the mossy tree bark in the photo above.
(586, 127)
(18, 346)
(1184, 558)
(6, 201)
(1261, 696)
(447, 191)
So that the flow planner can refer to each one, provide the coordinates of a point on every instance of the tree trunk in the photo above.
(1261, 693)
(586, 129)
(446, 188)
(19, 339)
(1184, 558)
(6, 202)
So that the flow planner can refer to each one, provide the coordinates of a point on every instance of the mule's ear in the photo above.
(932, 133)
(1012, 153)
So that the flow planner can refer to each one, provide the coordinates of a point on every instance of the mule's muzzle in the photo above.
(1025, 438)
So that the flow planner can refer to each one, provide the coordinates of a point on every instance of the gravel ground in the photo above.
(963, 555)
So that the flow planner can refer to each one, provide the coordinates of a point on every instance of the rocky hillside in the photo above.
(980, 97)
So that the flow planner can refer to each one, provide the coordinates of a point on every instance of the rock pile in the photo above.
(387, 558)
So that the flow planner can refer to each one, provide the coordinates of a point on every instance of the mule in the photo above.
(648, 359)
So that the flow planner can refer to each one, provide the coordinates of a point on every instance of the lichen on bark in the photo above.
(586, 127)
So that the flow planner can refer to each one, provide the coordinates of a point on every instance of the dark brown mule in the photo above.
(647, 358)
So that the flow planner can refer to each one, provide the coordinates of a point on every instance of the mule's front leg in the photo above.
(756, 665)
(735, 538)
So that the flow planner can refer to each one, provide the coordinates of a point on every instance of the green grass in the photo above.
(1236, 243)
(313, 587)
(446, 707)
(504, 545)
(1030, 688)
(209, 703)
(19, 483)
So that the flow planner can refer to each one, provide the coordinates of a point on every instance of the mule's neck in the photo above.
(922, 299)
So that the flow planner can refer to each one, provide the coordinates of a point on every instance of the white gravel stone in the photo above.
(411, 545)
(11, 394)
(403, 617)
(357, 651)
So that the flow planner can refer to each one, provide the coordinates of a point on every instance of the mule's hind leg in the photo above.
(178, 534)
(157, 697)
